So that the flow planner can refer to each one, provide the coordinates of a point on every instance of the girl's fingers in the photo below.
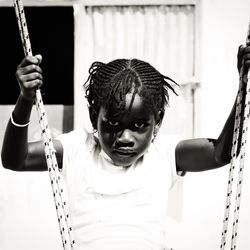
(29, 77)
(29, 69)
(247, 48)
(30, 60)
(29, 89)
(39, 58)
(240, 55)
(243, 57)
(247, 56)
(31, 85)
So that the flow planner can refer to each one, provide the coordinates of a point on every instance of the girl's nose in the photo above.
(126, 138)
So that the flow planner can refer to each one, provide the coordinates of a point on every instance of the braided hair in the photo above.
(108, 84)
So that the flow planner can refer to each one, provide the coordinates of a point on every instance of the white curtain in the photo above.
(161, 35)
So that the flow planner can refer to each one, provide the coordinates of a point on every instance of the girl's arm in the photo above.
(17, 154)
(205, 154)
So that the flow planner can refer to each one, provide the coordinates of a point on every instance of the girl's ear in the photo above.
(93, 117)
(159, 118)
(157, 128)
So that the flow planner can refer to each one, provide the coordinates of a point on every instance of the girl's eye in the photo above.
(113, 123)
(139, 124)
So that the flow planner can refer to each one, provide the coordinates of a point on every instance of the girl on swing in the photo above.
(118, 177)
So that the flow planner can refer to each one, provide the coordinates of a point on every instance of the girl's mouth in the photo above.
(124, 152)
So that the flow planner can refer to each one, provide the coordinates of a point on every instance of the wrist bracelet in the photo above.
(16, 124)
(181, 173)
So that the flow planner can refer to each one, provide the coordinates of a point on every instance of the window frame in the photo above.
(100, 2)
(194, 83)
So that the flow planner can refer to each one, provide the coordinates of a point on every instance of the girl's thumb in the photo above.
(39, 58)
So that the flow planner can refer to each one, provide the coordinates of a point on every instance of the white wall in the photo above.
(27, 212)
(223, 26)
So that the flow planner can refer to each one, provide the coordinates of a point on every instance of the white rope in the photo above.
(56, 184)
(238, 120)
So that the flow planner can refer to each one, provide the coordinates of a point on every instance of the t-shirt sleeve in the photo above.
(73, 143)
(166, 145)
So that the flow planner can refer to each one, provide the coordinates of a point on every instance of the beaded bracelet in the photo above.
(16, 124)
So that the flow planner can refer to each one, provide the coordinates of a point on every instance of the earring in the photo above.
(154, 133)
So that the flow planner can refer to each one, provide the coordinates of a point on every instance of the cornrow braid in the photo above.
(108, 84)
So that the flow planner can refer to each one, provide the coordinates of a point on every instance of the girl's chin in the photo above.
(125, 160)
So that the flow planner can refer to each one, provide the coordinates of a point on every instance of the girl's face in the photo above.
(126, 137)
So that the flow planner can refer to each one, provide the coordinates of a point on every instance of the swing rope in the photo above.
(55, 179)
(237, 124)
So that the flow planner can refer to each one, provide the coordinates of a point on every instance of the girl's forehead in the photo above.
(134, 106)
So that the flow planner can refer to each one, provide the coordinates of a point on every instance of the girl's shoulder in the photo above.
(77, 139)
(166, 142)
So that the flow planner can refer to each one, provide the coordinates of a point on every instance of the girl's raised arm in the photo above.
(205, 154)
(17, 154)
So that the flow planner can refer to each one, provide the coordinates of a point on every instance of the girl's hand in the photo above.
(29, 76)
(243, 59)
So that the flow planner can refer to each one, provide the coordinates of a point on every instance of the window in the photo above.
(160, 32)
(51, 29)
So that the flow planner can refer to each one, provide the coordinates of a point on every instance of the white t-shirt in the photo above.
(115, 208)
